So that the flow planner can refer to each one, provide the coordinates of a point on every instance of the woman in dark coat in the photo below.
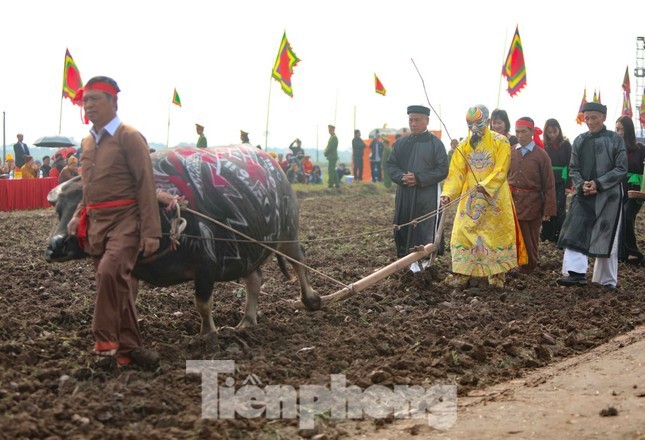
(559, 150)
(627, 246)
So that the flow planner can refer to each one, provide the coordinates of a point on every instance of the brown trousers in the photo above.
(531, 233)
(115, 312)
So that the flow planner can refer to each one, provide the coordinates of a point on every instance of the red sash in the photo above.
(81, 232)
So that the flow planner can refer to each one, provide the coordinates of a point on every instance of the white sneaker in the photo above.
(414, 267)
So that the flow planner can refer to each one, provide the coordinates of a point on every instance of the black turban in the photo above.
(594, 107)
(419, 109)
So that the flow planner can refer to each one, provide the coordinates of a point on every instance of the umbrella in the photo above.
(55, 142)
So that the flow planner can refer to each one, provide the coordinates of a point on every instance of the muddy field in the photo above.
(405, 330)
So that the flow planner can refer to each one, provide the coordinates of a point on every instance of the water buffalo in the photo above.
(238, 186)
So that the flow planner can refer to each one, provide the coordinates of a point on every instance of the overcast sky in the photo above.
(219, 56)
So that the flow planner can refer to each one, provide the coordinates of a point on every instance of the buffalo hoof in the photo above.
(247, 322)
(207, 328)
(208, 331)
(313, 302)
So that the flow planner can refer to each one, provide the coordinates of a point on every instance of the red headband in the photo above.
(101, 86)
(537, 131)
(524, 123)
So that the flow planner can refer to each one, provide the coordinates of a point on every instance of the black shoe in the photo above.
(573, 280)
(145, 358)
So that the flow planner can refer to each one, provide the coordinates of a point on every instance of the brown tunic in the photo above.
(533, 188)
(532, 184)
(119, 168)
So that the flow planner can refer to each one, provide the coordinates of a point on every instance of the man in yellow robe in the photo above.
(485, 236)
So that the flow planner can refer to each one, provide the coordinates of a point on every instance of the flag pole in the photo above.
(499, 87)
(266, 129)
(168, 132)
(60, 115)
(336, 108)
(60, 110)
(354, 117)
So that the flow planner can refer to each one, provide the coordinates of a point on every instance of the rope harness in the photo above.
(178, 224)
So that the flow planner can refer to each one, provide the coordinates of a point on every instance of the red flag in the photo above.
(71, 78)
(626, 86)
(378, 86)
(627, 104)
(581, 117)
(514, 69)
(283, 67)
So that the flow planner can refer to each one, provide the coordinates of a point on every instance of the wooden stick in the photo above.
(380, 274)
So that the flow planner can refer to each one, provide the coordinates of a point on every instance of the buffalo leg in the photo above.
(204, 303)
(253, 283)
(308, 295)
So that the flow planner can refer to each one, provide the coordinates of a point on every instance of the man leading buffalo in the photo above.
(117, 219)
(417, 164)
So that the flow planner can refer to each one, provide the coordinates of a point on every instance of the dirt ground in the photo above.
(405, 330)
(595, 395)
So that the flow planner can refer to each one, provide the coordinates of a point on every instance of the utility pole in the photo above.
(639, 73)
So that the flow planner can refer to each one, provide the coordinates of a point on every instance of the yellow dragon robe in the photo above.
(485, 235)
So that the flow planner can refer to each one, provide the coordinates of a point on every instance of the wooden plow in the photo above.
(640, 195)
(420, 252)
(417, 253)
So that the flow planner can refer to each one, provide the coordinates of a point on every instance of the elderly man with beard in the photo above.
(598, 166)
(417, 164)
(485, 236)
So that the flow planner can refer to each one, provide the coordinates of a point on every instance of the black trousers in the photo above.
(358, 168)
(627, 246)
(551, 229)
